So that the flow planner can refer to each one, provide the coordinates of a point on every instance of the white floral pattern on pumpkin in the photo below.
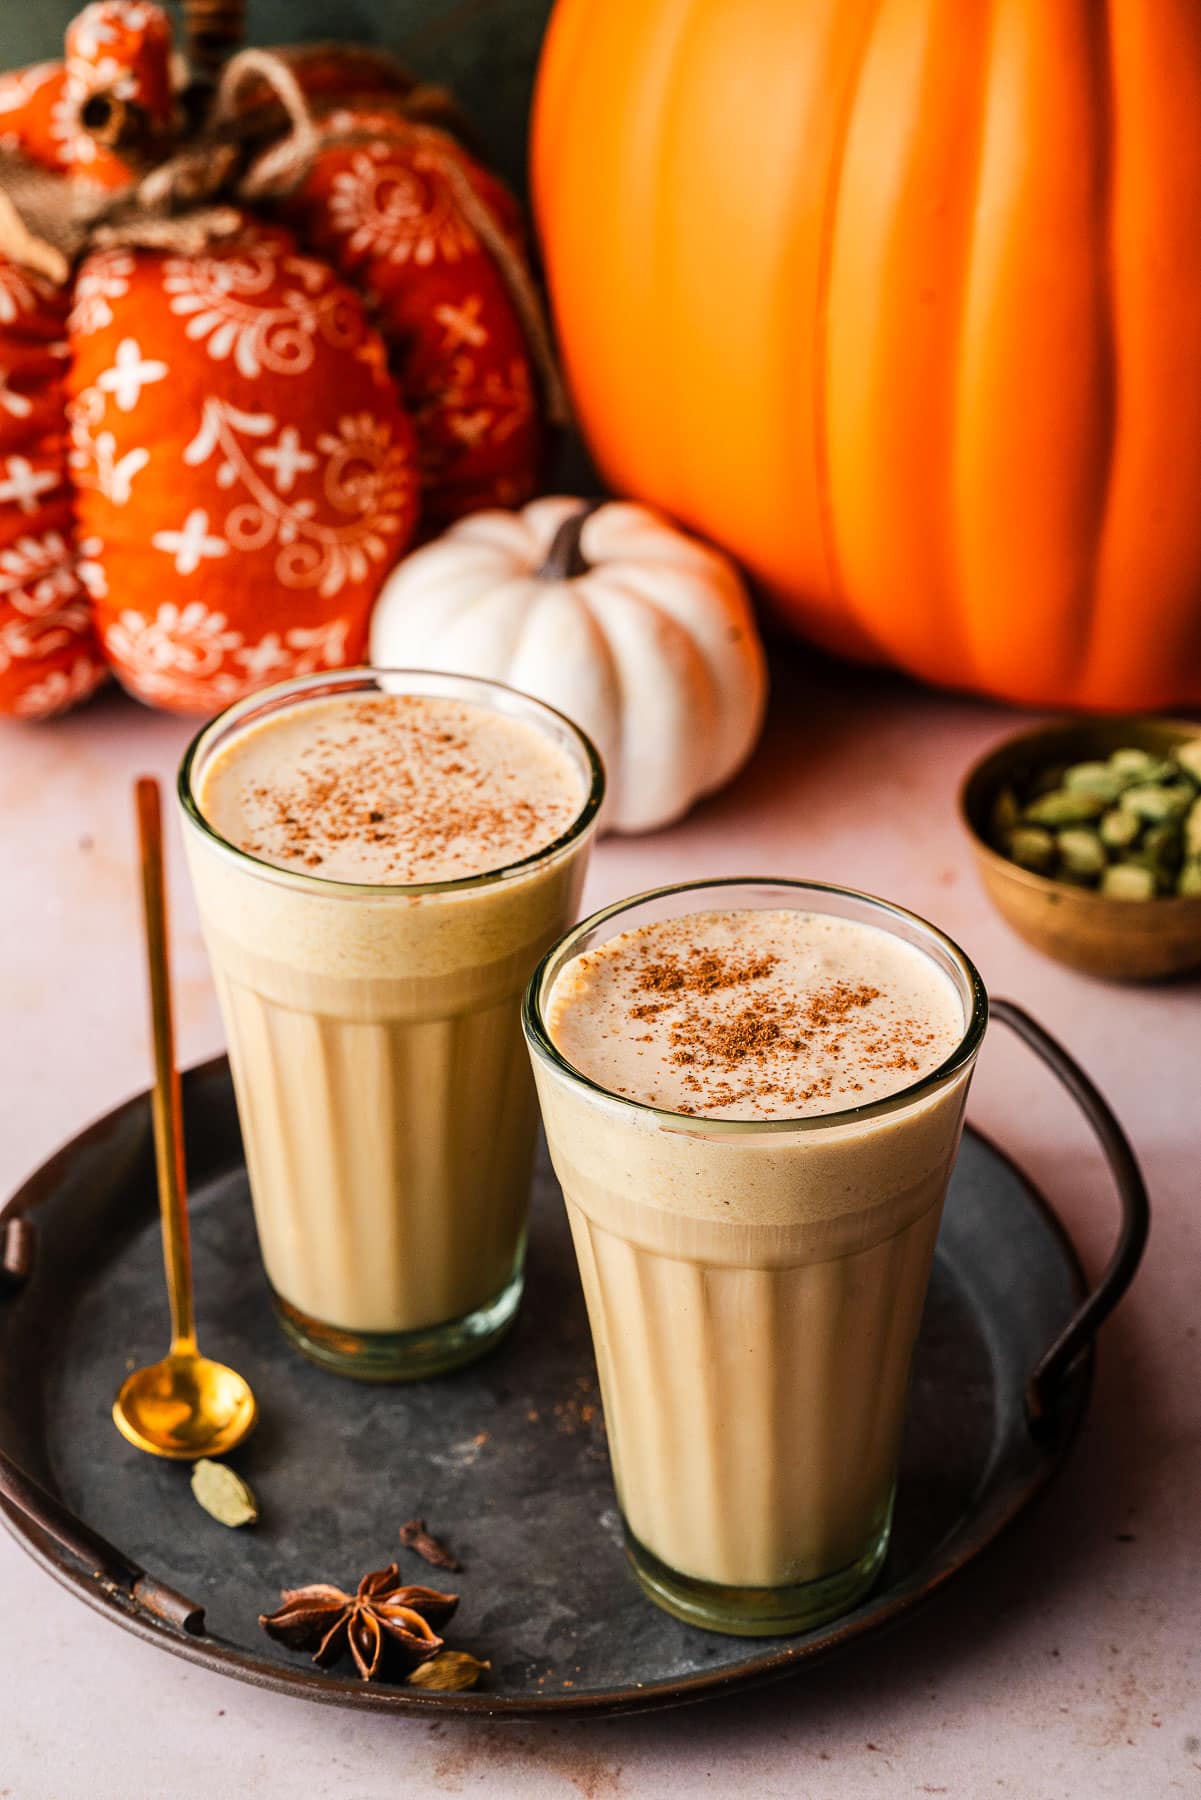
(130, 372)
(285, 458)
(60, 689)
(104, 277)
(390, 204)
(76, 146)
(93, 458)
(193, 544)
(104, 20)
(12, 401)
(462, 325)
(180, 656)
(480, 408)
(36, 574)
(366, 479)
(26, 640)
(90, 567)
(24, 485)
(229, 306)
(91, 29)
(184, 640)
(300, 651)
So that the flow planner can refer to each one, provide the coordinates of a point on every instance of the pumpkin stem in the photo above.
(565, 560)
(212, 29)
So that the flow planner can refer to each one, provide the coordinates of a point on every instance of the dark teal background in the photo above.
(485, 49)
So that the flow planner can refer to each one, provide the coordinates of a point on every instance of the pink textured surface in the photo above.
(1068, 1663)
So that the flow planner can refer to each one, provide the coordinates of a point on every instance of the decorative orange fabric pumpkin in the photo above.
(237, 361)
(902, 305)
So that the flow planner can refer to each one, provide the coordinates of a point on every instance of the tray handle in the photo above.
(1095, 1308)
(109, 1565)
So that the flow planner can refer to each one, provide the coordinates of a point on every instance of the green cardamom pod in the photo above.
(1119, 828)
(1031, 848)
(1157, 801)
(1095, 778)
(1126, 881)
(223, 1494)
(1140, 765)
(449, 1672)
(1081, 853)
(1066, 806)
(1192, 829)
(1189, 879)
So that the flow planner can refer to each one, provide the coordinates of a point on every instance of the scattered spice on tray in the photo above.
(384, 1620)
(415, 1536)
(1129, 827)
(223, 1493)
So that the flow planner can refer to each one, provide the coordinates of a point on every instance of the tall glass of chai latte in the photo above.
(380, 859)
(753, 1093)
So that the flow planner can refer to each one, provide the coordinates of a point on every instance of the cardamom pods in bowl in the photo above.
(1132, 811)
(1087, 837)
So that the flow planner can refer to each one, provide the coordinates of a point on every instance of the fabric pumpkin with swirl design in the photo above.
(248, 348)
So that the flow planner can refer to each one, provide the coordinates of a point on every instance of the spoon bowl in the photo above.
(185, 1407)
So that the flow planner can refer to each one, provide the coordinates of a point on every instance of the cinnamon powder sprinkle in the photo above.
(393, 788)
(750, 1043)
(747, 1031)
(703, 972)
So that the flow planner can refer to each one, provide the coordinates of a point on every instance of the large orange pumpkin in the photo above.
(900, 301)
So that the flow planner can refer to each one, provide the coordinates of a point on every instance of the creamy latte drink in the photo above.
(378, 870)
(753, 1095)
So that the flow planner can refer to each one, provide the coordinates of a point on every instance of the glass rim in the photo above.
(247, 707)
(703, 1125)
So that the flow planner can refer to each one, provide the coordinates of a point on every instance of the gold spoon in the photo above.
(184, 1406)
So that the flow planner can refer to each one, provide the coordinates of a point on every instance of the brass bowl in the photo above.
(1125, 940)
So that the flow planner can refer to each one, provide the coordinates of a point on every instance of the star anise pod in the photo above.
(384, 1612)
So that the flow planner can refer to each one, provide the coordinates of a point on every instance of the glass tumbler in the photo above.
(374, 1037)
(754, 1288)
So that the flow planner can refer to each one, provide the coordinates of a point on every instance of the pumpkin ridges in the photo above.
(1037, 368)
(624, 352)
(738, 685)
(825, 234)
(1156, 276)
(787, 540)
(567, 635)
(899, 265)
(776, 495)
(666, 701)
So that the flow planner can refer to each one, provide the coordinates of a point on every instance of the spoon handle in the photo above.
(166, 1104)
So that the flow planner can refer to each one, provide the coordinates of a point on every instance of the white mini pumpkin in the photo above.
(639, 633)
